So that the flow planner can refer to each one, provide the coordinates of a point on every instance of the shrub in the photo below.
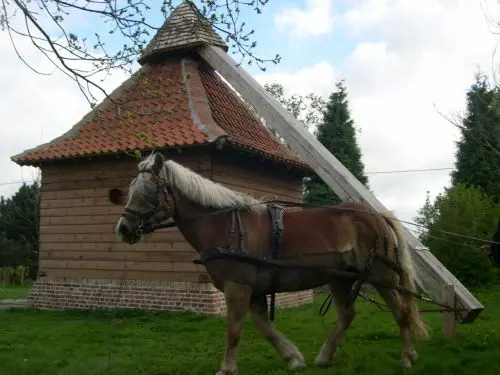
(13, 275)
(465, 211)
(14, 253)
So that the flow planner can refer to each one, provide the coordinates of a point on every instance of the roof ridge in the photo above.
(201, 113)
(178, 103)
(261, 133)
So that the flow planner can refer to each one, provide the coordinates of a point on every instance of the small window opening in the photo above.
(115, 196)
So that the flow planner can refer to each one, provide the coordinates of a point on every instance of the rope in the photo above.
(258, 261)
(402, 221)
(383, 307)
(327, 303)
(112, 323)
(310, 205)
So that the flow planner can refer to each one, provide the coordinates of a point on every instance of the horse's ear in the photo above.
(158, 162)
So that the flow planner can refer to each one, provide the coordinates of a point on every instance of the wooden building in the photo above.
(177, 101)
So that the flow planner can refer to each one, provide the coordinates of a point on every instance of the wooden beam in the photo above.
(431, 273)
(449, 316)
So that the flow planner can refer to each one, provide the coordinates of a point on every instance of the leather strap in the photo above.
(236, 219)
(276, 212)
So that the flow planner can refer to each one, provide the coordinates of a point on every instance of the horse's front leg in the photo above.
(287, 350)
(237, 298)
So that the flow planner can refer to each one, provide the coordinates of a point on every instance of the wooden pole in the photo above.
(449, 321)
(431, 273)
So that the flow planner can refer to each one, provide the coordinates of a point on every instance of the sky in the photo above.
(403, 61)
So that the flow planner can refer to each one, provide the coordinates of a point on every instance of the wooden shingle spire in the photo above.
(185, 28)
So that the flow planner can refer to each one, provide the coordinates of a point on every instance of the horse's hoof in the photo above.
(296, 364)
(409, 358)
(406, 362)
(227, 372)
(322, 362)
(413, 356)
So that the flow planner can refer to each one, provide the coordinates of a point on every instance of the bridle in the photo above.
(165, 204)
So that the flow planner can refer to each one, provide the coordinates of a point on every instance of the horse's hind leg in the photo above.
(341, 291)
(237, 303)
(286, 349)
(393, 299)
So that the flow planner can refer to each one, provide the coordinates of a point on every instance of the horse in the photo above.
(341, 237)
(492, 250)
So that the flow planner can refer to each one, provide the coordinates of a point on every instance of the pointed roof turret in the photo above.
(185, 28)
(177, 102)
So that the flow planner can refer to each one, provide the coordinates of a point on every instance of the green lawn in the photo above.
(125, 343)
(14, 291)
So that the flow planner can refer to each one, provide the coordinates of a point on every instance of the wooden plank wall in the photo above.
(77, 223)
(77, 220)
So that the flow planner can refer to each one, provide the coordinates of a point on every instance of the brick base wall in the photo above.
(60, 294)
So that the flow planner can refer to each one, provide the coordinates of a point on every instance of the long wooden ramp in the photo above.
(430, 271)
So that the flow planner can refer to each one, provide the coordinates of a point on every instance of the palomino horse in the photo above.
(339, 237)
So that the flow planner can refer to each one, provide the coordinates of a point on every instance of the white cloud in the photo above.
(316, 19)
(35, 108)
(413, 58)
(319, 78)
(410, 55)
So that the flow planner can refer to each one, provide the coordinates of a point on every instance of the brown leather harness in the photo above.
(165, 204)
(276, 214)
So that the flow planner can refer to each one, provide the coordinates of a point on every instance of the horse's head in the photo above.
(149, 201)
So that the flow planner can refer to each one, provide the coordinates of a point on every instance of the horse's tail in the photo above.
(408, 280)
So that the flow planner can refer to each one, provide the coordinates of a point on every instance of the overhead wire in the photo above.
(400, 220)
(374, 172)
(411, 170)
(16, 182)
(450, 233)
(440, 239)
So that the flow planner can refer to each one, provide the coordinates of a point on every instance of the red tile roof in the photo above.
(175, 103)
(232, 115)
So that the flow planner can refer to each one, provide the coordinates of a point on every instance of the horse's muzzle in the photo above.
(127, 235)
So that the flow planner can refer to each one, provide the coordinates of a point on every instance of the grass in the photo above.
(159, 343)
(14, 291)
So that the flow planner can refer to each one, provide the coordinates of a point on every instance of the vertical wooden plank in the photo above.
(430, 271)
(77, 229)
(449, 321)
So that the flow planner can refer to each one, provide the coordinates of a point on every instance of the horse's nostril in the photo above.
(123, 229)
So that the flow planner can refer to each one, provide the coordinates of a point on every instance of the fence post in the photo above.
(449, 321)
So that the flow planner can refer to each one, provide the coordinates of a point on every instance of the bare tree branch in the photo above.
(89, 59)
(126, 21)
(483, 136)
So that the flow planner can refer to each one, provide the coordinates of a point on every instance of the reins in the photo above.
(166, 202)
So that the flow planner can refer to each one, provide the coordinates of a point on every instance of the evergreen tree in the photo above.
(19, 218)
(337, 133)
(478, 151)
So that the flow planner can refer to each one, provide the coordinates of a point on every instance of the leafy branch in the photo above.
(120, 31)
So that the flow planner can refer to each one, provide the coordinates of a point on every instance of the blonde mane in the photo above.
(206, 192)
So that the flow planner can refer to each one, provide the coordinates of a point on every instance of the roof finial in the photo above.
(185, 28)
